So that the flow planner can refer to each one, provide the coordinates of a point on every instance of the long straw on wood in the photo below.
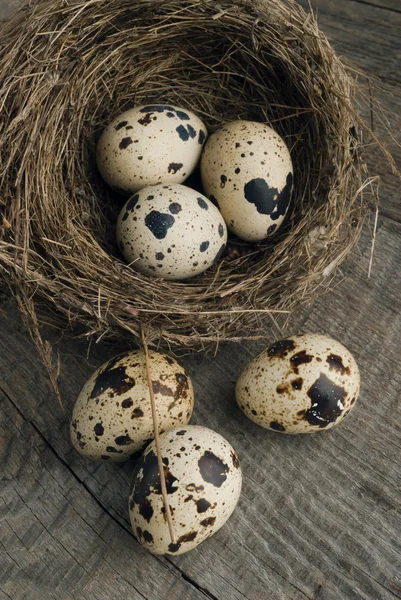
(157, 440)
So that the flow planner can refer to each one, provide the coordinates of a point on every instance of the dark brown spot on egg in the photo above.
(204, 246)
(113, 450)
(139, 533)
(202, 505)
(175, 208)
(174, 167)
(336, 364)
(125, 142)
(146, 510)
(137, 413)
(276, 426)
(281, 348)
(174, 547)
(202, 203)
(145, 120)
(188, 498)
(159, 256)
(161, 388)
(127, 403)
(182, 432)
(209, 522)
(112, 379)
(123, 440)
(187, 537)
(121, 125)
(235, 460)
(301, 358)
(281, 389)
(104, 457)
(191, 487)
(148, 537)
(297, 383)
(159, 223)
(98, 429)
(212, 469)
(132, 202)
(327, 402)
(149, 483)
(223, 180)
(182, 386)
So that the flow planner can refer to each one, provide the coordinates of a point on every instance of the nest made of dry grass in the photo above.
(66, 69)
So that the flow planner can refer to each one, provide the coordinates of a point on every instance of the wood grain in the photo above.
(319, 517)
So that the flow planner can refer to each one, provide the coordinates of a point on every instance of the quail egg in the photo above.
(171, 231)
(112, 416)
(246, 168)
(302, 384)
(150, 144)
(203, 480)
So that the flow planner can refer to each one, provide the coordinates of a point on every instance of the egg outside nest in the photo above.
(203, 479)
(303, 384)
(112, 417)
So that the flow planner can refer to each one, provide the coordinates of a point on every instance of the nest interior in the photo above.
(66, 69)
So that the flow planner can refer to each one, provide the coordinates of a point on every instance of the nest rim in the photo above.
(68, 70)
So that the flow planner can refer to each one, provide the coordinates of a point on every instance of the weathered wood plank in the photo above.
(56, 540)
(370, 37)
(319, 515)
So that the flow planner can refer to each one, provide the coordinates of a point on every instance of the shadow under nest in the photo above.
(68, 69)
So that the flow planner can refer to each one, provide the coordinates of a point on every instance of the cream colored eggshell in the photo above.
(112, 416)
(303, 384)
(149, 144)
(247, 168)
(170, 231)
(204, 480)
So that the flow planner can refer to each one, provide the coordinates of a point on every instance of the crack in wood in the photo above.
(373, 5)
(126, 527)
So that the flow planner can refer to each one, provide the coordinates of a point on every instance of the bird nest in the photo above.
(68, 68)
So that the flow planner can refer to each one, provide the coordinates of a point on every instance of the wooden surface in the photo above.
(319, 517)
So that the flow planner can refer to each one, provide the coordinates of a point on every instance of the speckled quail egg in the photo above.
(203, 480)
(246, 168)
(303, 384)
(150, 144)
(171, 231)
(112, 416)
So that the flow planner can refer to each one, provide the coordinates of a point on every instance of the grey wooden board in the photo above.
(319, 516)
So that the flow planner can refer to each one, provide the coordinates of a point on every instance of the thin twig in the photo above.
(373, 242)
(157, 440)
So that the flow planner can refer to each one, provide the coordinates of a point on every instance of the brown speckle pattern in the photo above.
(303, 384)
(112, 416)
(150, 144)
(247, 167)
(203, 483)
(170, 231)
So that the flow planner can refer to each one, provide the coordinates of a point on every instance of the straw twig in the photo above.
(157, 440)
